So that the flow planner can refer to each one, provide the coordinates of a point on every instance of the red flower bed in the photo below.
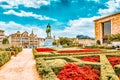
(77, 51)
(114, 60)
(91, 59)
(74, 72)
(44, 49)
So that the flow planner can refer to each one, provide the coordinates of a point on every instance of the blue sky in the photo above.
(68, 18)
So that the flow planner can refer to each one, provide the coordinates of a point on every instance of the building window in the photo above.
(106, 28)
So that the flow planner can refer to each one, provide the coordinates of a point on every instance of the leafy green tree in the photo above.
(65, 41)
(5, 41)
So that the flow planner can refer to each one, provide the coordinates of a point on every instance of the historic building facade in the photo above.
(85, 42)
(25, 40)
(2, 36)
(106, 26)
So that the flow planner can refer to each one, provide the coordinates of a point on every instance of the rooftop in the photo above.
(107, 16)
(1, 30)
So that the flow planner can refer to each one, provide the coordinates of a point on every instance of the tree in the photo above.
(54, 43)
(114, 37)
(5, 41)
(65, 41)
(98, 42)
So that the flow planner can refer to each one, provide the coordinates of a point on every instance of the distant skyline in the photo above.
(68, 18)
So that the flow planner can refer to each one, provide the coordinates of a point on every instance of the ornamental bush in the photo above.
(5, 56)
(98, 42)
(17, 49)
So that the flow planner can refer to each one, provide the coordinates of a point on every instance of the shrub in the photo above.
(114, 37)
(7, 49)
(45, 70)
(5, 41)
(98, 42)
(5, 56)
(1, 49)
(65, 41)
(93, 46)
(34, 50)
(101, 47)
(17, 50)
(54, 43)
(108, 47)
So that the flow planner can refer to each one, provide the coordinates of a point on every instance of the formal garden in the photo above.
(77, 64)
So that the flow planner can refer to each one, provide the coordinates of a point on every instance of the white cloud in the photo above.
(112, 7)
(83, 26)
(26, 3)
(12, 27)
(28, 14)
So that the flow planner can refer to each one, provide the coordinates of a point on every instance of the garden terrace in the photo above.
(51, 64)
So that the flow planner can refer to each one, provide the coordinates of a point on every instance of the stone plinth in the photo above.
(48, 42)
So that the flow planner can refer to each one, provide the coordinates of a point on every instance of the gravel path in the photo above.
(21, 67)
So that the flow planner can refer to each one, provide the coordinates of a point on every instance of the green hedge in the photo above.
(44, 70)
(5, 56)
(34, 51)
(117, 69)
(99, 47)
(17, 49)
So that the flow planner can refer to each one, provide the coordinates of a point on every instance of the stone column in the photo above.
(101, 32)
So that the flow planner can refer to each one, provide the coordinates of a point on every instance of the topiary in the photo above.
(98, 42)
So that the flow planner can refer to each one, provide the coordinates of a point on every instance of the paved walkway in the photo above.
(21, 67)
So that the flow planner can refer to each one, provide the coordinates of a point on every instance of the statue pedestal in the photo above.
(48, 42)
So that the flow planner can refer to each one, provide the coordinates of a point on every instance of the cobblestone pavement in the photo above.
(21, 67)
